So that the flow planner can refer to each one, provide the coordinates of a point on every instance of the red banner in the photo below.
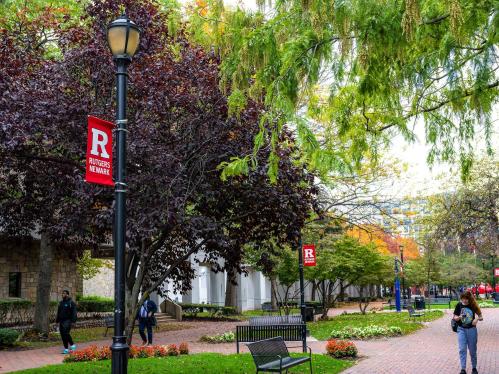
(309, 255)
(99, 167)
(496, 272)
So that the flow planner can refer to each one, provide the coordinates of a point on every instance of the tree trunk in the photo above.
(314, 290)
(46, 259)
(273, 292)
(231, 291)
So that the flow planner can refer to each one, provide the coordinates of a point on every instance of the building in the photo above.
(19, 268)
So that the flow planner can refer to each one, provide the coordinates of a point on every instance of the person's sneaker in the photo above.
(474, 371)
(462, 371)
(65, 352)
(73, 347)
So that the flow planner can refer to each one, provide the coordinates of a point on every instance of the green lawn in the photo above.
(83, 335)
(207, 363)
(244, 316)
(321, 330)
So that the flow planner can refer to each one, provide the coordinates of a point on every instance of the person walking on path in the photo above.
(66, 315)
(147, 320)
(467, 314)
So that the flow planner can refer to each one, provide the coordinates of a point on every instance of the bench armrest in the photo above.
(299, 346)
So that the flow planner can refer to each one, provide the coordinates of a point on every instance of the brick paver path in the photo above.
(432, 350)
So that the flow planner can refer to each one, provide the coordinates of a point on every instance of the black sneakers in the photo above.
(462, 371)
(474, 371)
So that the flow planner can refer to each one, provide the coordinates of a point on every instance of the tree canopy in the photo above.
(350, 74)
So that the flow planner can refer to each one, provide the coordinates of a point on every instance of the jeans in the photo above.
(467, 339)
(64, 329)
(143, 324)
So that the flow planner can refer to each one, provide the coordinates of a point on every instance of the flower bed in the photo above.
(226, 337)
(341, 348)
(366, 332)
(94, 353)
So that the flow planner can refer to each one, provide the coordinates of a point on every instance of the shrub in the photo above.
(486, 304)
(8, 337)
(183, 348)
(172, 350)
(226, 337)
(192, 310)
(95, 304)
(366, 332)
(94, 353)
(341, 349)
(15, 312)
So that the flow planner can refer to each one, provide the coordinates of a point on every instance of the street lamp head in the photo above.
(123, 37)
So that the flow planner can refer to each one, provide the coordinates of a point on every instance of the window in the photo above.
(14, 284)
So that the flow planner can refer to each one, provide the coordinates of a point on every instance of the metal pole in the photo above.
(494, 272)
(403, 276)
(397, 287)
(302, 293)
(119, 348)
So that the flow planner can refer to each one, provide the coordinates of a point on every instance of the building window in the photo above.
(14, 284)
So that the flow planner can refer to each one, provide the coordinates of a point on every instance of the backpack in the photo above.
(453, 325)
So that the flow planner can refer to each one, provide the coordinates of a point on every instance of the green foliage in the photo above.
(321, 330)
(95, 304)
(192, 310)
(367, 332)
(226, 337)
(88, 267)
(8, 337)
(356, 73)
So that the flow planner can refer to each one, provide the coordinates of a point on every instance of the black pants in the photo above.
(143, 324)
(64, 329)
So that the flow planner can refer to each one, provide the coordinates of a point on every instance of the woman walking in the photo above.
(467, 314)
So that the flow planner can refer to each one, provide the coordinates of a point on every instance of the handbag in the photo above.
(453, 325)
(154, 322)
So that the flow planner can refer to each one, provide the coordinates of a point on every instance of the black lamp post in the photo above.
(123, 37)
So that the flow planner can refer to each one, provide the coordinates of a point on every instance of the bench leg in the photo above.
(311, 370)
(237, 345)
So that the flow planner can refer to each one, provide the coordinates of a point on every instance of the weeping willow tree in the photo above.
(349, 75)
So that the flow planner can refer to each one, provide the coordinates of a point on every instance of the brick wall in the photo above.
(23, 257)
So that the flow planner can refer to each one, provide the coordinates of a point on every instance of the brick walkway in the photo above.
(432, 350)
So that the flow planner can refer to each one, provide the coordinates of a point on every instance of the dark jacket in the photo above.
(150, 307)
(66, 311)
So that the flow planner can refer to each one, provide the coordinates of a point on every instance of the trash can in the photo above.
(309, 313)
(419, 302)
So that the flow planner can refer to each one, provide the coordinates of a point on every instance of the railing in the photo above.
(172, 308)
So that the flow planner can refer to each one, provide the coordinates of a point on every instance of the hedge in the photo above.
(95, 304)
(192, 310)
(8, 337)
(14, 312)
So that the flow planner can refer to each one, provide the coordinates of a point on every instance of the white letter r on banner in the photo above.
(99, 139)
(309, 253)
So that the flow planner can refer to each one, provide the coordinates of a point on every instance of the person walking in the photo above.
(66, 315)
(147, 320)
(467, 314)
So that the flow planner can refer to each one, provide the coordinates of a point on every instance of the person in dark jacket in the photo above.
(66, 315)
(146, 319)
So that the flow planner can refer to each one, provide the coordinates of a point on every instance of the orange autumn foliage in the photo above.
(385, 243)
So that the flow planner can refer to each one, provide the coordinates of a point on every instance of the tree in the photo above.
(325, 67)
(180, 132)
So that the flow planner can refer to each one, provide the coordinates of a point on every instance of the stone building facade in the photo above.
(19, 271)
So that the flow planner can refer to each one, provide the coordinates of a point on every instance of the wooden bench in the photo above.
(438, 301)
(290, 328)
(109, 323)
(272, 355)
(413, 314)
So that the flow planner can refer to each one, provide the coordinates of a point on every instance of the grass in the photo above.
(208, 363)
(321, 330)
(453, 304)
(83, 335)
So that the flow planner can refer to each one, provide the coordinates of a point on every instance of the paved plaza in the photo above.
(432, 350)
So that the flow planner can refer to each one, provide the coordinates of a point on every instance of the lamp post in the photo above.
(302, 291)
(401, 248)
(123, 38)
(397, 286)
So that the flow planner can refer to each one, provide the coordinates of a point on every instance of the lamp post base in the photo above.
(119, 355)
